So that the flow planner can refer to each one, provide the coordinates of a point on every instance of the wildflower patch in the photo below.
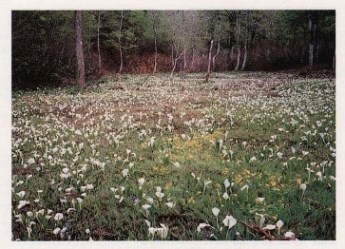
(176, 160)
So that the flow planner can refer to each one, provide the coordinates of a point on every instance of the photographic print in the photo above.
(173, 125)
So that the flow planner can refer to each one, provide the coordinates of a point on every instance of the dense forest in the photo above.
(44, 50)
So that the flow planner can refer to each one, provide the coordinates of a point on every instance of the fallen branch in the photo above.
(258, 230)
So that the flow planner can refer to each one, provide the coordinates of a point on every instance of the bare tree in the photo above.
(215, 56)
(209, 62)
(153, 20)
(193, 56)
(98, 45)
(238, 58)
(184, 59)
(120, 45)
(312, 18)
(79, 48)
(245, 56)
(238, 45)
(193, 35)
(174, 59)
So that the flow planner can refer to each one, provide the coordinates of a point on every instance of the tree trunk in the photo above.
(214, 57)
(79, 48)
(209, 62)
(302, 56)
(245, 57)
(312, 38)
(238, 58)
(172, 55)
(192, 62)
(184, 59)
(317, 51)
(62, 52)
(98, 46)
(311, 47)
(175, 63)
(153, 18)
(238, 29)
(268, 53)
(173, 69)
(120, 47)
(311, 55)
(174, 60)
(156, 56)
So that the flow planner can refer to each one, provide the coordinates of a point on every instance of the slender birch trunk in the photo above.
(214, 57)
(209, 62)
(238, 28)
(175, 63)
(245, 57)
(174, 60)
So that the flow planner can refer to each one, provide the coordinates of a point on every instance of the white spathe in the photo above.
(215, 211)
(229, 221)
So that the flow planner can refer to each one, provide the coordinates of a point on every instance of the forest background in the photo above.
(151, 41)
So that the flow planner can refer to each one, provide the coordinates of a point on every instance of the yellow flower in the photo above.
(247, 172)
(238, 179)
(225, 172)
(299, 181)
(191, 200)
(168, 185)
(273, 183)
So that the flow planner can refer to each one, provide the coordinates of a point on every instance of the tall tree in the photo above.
(209, 62)
(120, 44)
(312, 20)
(174, 56)
(79, 48)
(98, 44)
(247, 19)
(238, 30)
(154, 30)
(215, 56)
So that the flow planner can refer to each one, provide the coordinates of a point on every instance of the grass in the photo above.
(81, 153)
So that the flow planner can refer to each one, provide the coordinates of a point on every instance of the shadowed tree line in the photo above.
(50, 48)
